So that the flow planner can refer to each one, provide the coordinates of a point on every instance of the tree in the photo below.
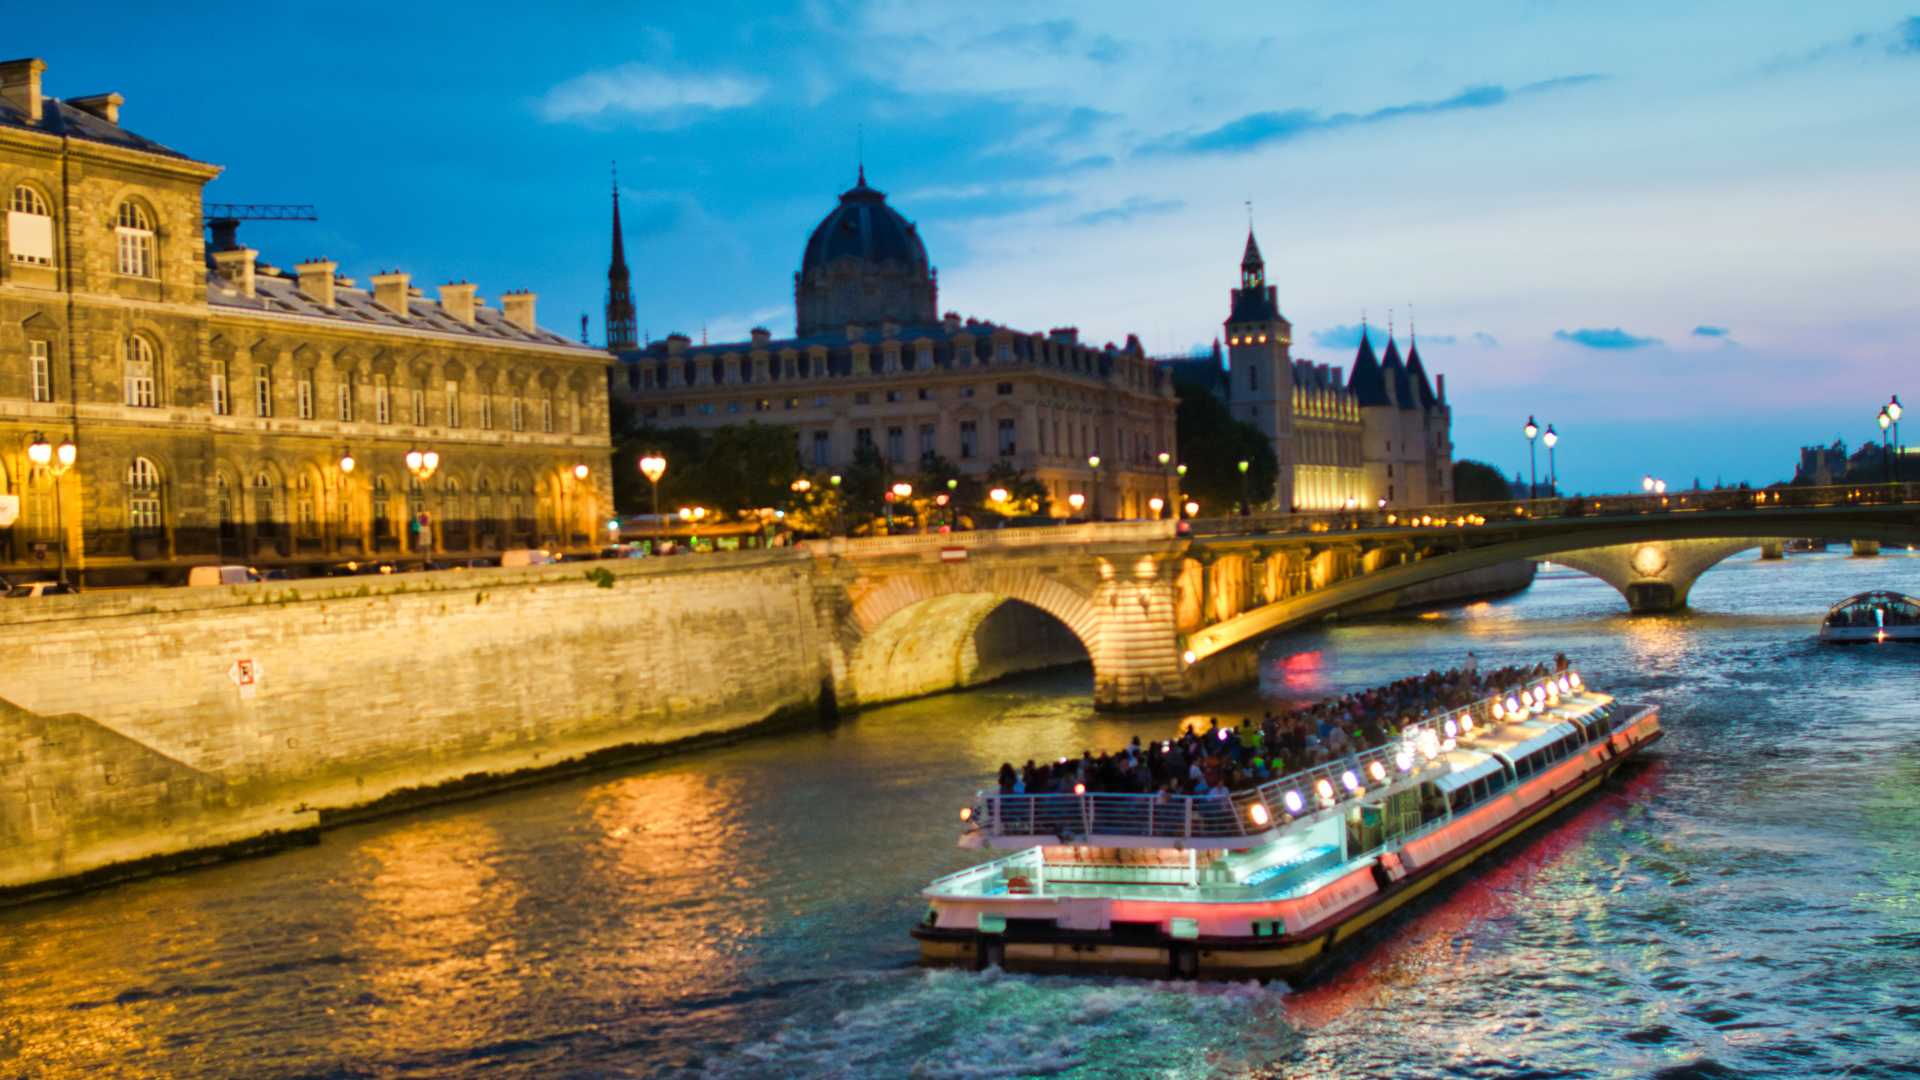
(731, 469)
(1212, 445)
(1477, 481)
(1026, 496)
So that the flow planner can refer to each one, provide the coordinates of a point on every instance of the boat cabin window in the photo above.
(1873, 612)
(1479, 791)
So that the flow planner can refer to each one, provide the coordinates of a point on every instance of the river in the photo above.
(1747, 903)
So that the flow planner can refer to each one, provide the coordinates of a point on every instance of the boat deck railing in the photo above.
(1306, 794)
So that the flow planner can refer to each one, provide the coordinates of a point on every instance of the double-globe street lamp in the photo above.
(653, 467)
(423, 464)
(56, 460)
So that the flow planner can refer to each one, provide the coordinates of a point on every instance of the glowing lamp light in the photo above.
(1258, 813)
(1513, 704)
(1574, 678)
(1466, 724)
(966, 813)
(1193, 508)
(1079, 789)
(1566, 686)
(1076, 500)
(1349, 781)
(1447, 746)
(1404, 761)
(998, 495)
(1188, 656)
(1093, 461)
(1223, 734)
(1324, 789)
(653, 467)
(1378, 770)
(1429, 744)
(1451, 729)
(1156, 504)
(580, 472)
(902, 490)
(1294, 802)
(1499, 710)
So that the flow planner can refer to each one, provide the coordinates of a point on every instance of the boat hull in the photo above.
(1291, 956)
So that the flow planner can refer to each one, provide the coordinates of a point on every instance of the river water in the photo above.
(1748, 903)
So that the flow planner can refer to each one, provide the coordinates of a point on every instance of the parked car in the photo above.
(221, 575)
(28, 590)
(526, 557)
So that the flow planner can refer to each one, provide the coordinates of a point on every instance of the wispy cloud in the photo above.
(1263, 128)
(1136, 207)
(1903, 39)
(1710, 331)
(1614, 338)
(1344, 336)
(1055, 37)
(1347, 336)
(646, 93)
(1485, 340)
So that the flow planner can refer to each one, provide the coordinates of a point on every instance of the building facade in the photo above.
(1381, 436)
(872, 365)
(222, 409)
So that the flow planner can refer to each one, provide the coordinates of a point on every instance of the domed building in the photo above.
(864, 263)
(873, 366)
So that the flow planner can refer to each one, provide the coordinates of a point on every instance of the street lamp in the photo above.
(1533, 458)
(423, 464)
(951, 500)
(834, 483)
(1246, 498)
(1553, 471)
(1894, 410)
(1093, 466)
(1659, 487)
(346, 469)
(1076, 500)
(1886, 459)
(1156, 504)
(898, 493)
(1646, 484)
(56, 460)
(653, 467)
(1193, 508)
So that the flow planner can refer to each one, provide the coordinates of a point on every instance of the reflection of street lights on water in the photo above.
(56, 460)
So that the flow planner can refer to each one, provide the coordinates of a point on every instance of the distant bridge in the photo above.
(1165, 616)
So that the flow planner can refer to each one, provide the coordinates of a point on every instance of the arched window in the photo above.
(304, 517)
(140, 373)
(263, 519)
(29, 228)
(133, 227)
(143, 496)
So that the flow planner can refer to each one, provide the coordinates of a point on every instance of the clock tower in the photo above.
(1260, 366)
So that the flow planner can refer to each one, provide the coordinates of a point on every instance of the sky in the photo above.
(1685, 235)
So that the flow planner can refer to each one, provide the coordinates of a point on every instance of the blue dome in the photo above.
(864, 227)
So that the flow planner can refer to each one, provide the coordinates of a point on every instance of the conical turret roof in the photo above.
(1366, 382)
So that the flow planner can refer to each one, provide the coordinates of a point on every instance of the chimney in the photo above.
(316, 280)
(236, 265)
(1068, 334)
(952, 321)
(518, 308)
(761, 335)
(20, 86)
(456, 299)
(1442, 381)
(390, 289)
(104, 106)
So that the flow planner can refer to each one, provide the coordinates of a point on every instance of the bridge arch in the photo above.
(917, 633)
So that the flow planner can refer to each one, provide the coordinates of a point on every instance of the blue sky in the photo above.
(1687, 238)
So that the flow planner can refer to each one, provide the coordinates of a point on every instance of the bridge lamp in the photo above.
(686, 513)
(1193, 508)
(1659, 487)
(902, 490)
(1093, 461)
(1646, 483)
(1156, 504)
(1552, 438)
(1180, 470)
(998, 495)
(1532, 430)
(1164, 458)
(1246, 496)
(1076, 500)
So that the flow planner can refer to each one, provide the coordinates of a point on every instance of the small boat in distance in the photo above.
(1872, 617)
(1266, 882)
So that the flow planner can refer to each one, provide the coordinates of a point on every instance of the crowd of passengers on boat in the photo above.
(1234, 758)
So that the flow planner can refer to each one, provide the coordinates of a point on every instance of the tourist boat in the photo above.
(1265, 883)
(1872, 617)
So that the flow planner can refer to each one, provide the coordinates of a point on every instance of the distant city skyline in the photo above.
(1685, 239)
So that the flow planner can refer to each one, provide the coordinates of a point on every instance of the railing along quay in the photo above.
(1307, 793)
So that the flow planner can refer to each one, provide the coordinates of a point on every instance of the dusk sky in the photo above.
(1687, 238)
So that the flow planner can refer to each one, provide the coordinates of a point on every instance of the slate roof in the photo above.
(281, 295)
(61, 119)
(1417, 372)
(1367, 381)
(864, 227)
(1392, 368)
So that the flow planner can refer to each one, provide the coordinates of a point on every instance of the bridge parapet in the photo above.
(987, 540)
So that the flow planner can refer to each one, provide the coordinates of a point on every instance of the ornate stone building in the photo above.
(1380, 437)
(873, 365)
(215, 401)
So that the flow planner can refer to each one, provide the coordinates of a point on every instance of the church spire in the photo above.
(1253, 269)
(622, 320)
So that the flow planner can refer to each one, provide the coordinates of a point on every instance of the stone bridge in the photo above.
(1165, 614)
